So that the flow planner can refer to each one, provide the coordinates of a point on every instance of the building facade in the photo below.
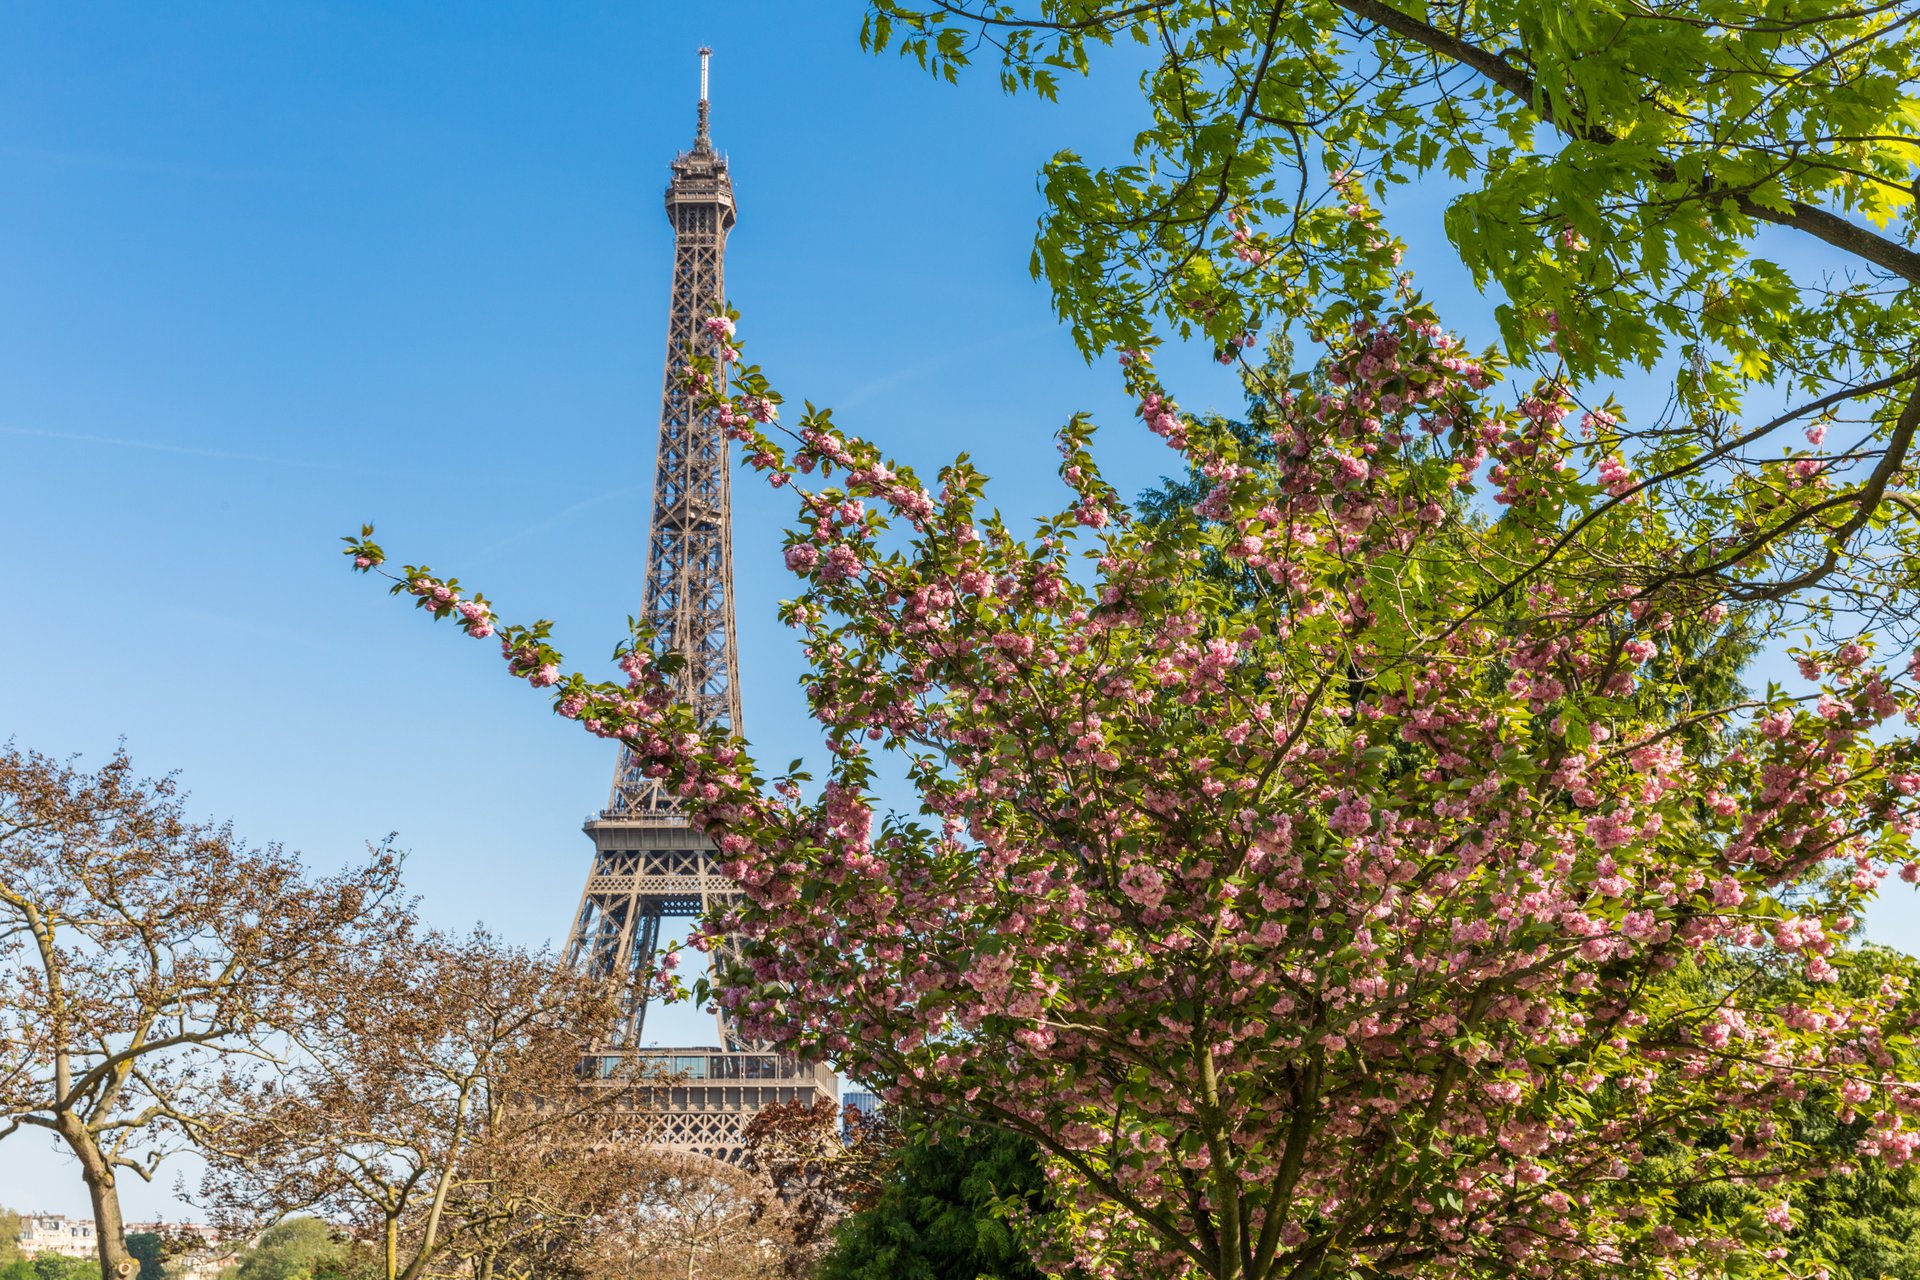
(56, 1233)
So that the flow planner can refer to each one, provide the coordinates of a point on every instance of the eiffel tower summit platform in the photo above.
(649, 864)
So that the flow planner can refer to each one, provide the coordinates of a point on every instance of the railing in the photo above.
(673, 819)
(701, 1065)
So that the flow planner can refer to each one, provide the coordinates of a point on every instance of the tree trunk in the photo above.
(109, 1231)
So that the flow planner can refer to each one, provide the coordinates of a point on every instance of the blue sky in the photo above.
(274, 270)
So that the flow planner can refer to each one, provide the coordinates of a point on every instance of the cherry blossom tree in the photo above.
(1861, 1220)
(1379, 919)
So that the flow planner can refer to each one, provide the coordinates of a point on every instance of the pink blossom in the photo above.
(1144, 885)
(1352, 817)
(1615, 478)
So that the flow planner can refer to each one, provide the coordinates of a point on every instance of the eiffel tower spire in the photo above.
(689, 591)
(649, 864)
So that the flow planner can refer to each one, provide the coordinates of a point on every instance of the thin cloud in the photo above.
(136, 164)
(565, 513)
(919, 368)
(156, 446)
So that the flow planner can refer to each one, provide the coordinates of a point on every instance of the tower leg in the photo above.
(646, 945)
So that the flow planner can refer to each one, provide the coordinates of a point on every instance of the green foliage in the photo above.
(9, 1236)
(1610, 168)
(58, 1266)
(1722, 190)
(294, 1249)
(948, 1212)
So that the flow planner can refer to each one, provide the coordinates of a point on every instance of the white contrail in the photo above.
(188, 450)
(583, 504)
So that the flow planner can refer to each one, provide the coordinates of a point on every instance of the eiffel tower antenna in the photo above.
(649, 864)
(700, 137)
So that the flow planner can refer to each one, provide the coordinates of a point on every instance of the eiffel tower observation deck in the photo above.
(649, 864)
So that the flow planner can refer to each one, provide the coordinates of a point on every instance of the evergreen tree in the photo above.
(949, 1211)
(1858, 1221)
(148, 1247)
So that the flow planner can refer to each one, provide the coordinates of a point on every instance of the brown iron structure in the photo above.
(649, 864)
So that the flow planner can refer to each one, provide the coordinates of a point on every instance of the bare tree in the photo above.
(435, 1104)
(541, 1200)
(145, 959)
(693, 1218)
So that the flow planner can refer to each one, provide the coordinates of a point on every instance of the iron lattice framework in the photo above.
(649, 864)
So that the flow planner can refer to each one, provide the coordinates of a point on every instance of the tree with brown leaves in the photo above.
(693, 1218)
(147, 960)
(435, 1106)
(817, 1168)
(541, 1200)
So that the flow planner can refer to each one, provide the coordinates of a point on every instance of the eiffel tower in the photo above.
(649, 864)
